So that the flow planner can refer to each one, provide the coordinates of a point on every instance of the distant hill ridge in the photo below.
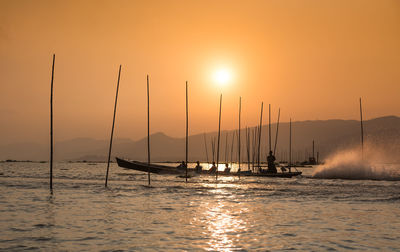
(382, 133)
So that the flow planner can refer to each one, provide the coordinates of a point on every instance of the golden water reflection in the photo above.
(222, 220)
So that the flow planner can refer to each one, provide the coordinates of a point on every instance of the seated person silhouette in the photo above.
(213, 168)
(182, 165)
(227, 169)
(198, 167)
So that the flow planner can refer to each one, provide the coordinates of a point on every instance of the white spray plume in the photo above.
(349, 164)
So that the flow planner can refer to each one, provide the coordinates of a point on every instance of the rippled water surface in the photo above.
(246, 214)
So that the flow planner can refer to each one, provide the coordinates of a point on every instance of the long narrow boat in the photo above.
(276, 175)
(164, 169)
(145, 167)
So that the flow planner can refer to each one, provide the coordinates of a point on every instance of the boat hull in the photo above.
(144, 167)
(275, 175)
(164, 169)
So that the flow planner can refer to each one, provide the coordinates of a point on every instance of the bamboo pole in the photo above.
(240, 112)
(277, 129)
(219, 134)
(213, 149)
(187, 130)
(269, 127)
(362, 132)
(112, 128)
(226, 146)
(251, 148)
(254, 146)
(313, 149)
(148, 131)
(51, 125)
(256, 134)
(233, 142)
(290, 143)
(259, 136)
(205, 146)
(248, 147)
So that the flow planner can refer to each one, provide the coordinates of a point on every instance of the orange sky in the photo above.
(314, 59)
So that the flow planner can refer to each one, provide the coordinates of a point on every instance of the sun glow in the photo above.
(222, 77)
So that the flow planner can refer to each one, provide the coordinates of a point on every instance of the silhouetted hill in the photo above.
(383, 134)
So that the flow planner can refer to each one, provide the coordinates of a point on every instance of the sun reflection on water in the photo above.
(221, 220)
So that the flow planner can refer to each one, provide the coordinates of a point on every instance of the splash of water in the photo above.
(349, 164)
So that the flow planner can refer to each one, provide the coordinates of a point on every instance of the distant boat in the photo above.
(165, 169)
(277, 175)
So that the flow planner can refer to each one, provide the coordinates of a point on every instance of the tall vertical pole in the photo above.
(240, 112)
(290, 143)
(313, 149)
(269, 126)
(259, 137)
(219, 134)
(226, 147)
(51, 124)
(213, 149)
(148, 130)
(362, 132)
(112, 128)
(254, 147)
(277, 129)
(205, 146)
(248, 147)
(187, 130)
(233, 143)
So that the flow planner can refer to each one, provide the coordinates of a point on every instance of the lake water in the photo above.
(247, 214)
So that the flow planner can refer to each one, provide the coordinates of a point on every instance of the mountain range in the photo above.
(380, 135)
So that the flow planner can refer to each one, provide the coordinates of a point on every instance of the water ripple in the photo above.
(231, 214)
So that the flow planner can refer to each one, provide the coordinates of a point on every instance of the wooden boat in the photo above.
(276, 175)
(145, 167)
(164, 169)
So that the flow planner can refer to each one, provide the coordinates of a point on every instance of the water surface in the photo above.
(231, 214)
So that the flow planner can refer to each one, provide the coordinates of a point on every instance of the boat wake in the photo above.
(350, 165)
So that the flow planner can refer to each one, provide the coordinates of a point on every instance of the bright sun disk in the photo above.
(222, 76)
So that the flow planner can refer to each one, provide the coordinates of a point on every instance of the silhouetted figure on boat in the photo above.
(213, 168)
(182, 165)
(198, 167)
(227, 168)
(311, 161)
(271, 163)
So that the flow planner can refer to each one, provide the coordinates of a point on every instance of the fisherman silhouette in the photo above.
(271, 163)
(182, 165)
(227, 169)
(198, 167)
(213, 168)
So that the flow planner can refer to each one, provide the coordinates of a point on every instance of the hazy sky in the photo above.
(313, 59)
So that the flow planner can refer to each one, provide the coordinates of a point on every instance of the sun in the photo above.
(222, 76)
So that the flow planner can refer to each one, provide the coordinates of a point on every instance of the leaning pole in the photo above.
(112, 128)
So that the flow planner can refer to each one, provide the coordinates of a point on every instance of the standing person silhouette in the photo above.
(271, 163)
